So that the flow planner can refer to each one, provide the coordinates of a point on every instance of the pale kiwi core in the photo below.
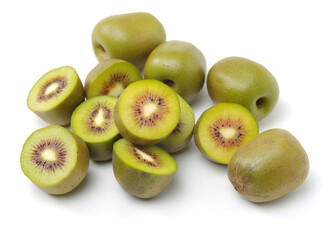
(149, 109)
(145, 156)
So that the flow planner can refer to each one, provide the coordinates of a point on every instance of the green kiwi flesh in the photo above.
(56, 94)
(93, 121)
(182, 134)
(55, 159)
(143, 172)
(110, 77)
(223, 129)
(269, 166)
(147, 112)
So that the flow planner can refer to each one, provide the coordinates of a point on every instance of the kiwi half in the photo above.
(142, 171)
(111, 77)
(222, 129)
(147, 112)
(56, 94)
(93, 121)
(55, 159)
(181, 135)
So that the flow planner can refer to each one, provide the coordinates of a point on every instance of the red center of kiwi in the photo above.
(222, 141)
(155, 116)
(115, 79)
(107, 115)
(55, 146)
(139, 158)
(62, 83)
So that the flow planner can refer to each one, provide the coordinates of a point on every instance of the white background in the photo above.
(291, 38)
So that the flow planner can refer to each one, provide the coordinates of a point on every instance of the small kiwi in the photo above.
(56, 94)
(147, 112)
(181, 135)
(55, 159)
(110, 77)
(143, 172)
(222, 129)
(93, 121)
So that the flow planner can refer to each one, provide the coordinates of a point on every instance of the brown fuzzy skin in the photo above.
(269, 166)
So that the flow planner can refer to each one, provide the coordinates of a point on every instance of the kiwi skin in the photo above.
(269, 166)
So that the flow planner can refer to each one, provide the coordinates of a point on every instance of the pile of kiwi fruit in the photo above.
(134, 109)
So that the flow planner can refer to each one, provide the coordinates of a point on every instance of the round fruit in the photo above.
(240, 80)
(110, 77)
(56, 94)
(178, 64)
(93, 121)
(130, 37)
(55, 159)
(147, 112)
(142, 171)
(223, 129)
(269, 166)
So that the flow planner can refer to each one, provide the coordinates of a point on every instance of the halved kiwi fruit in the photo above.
(181, 135)
(142, 171)
(56, 94)
(111, 77)
(222, 129)
(93, 121)
(55, 159)
(147, 112)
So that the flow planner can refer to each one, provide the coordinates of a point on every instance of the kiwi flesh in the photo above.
(143, 172)
(55, 159)
(93, 121)
(147, 112)
(182, 134)
(222, 129)
(110, 77)
(56, 94)
(269, 166)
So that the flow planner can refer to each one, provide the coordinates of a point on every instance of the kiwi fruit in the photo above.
(222, 129)
(182, 134)
(110, 77)
(143, 172)
(56, 94)
(147, 112)
(55, 159)
(269, 166)
(93, 121)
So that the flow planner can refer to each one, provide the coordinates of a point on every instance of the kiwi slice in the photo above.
(56, 94)
(222, 129)
(93, 121)
(142, 171)
(55, 159)
(181, 135)
(111, 77)
(147, 112)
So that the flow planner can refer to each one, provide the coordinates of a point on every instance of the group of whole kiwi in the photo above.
(138, 122)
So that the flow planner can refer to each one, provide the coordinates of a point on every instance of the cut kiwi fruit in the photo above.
(143, 172)
(55, 159)
(111, 77)
(222, 129)
(181, 135)
(93, 121)
(147, 112)
(56, 94)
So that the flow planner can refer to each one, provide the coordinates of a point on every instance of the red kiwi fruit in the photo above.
(223, 129)
(55, 159)
(143, 172)
(93, 121)
(56, 94)
(147, 112)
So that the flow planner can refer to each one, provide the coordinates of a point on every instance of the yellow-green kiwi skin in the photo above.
(269, 166)
(78, 173)
(101, 67)
(243, 81)
(130, 37)
(182, 63)
(61, 114)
